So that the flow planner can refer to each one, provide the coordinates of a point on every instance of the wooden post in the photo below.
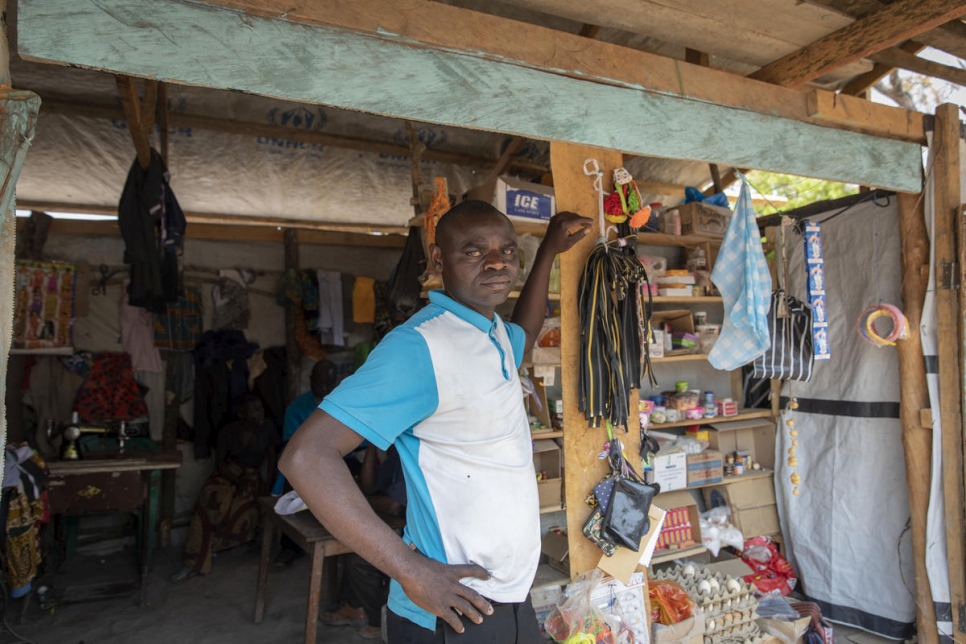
(582, 469)
(913, 398)
(293, 357)
(169, 443)
(950, 321)
(162, 118)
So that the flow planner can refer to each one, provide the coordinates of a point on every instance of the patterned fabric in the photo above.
(23, 540)
(110, 392)
(179, 328)
(225, 516)
(44, 309)
(741, 275)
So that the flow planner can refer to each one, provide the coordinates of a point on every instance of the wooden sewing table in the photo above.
(109, 482)
(313, 538)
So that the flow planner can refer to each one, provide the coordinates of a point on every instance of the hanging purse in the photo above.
(626, 521)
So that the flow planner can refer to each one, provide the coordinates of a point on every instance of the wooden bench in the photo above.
(305, 530)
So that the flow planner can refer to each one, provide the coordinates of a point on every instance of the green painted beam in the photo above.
(198, 44)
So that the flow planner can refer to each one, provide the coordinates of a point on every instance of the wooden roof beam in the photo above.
(131, 104)
(413, 49)
(910, 62)
(224, 219)
(949, 37)
(863, 83)
(879, 30)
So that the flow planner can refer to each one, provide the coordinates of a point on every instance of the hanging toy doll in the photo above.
(625, 202)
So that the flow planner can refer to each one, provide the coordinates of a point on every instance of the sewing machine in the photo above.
(74, 430)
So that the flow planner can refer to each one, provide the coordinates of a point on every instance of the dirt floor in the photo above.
(214, 609)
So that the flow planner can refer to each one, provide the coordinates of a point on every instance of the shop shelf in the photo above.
(704, 299)
(552, 508)
(663, 239)
(743, 414)
(553, 297)
(686, 357)
(662, 556)
(546, 434)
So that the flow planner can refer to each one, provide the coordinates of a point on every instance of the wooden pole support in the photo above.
(582, 469)
(293, 357)
(950, 332)
(913, 397)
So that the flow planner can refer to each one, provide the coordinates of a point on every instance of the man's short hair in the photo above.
(462, 212)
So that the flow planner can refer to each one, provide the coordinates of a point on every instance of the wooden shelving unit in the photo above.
(685, 357)
(556, 433)
(743, 414)
(552, 508)
(662, 556)
(684, 241)
(748, 476)
(553, 297)
(704, 299)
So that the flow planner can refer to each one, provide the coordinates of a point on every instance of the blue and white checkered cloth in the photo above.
(741, 274)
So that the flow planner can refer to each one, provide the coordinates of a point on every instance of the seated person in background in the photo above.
(364, 589)
(226, 514)
(323, 380)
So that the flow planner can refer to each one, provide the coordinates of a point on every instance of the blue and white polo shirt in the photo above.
(444, 388)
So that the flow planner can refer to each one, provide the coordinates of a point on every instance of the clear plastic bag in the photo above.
(578, 620)
(717, 531)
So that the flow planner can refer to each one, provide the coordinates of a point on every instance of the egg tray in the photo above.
(722, 595)
(736, 638)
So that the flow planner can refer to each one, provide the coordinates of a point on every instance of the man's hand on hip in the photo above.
(436, 587)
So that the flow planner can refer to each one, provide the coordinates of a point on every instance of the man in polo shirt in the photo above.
(444, 389)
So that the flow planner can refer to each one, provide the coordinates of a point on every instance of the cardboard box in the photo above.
(538, 406)
(681, 499)
(756, 435)
(670, 470)
(688, 631)
(681, 320)
(752, 503)
(702, 219)
(518, 200)
(754, 522)
(555, 545)
(704, 468)
(656, 349)
(546, 458)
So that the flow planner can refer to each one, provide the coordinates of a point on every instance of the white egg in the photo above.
(704, 587)
(733, 585)
(710, 625)
(714, 584)
(688, 570)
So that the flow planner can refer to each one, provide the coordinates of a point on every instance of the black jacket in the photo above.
(153, 226)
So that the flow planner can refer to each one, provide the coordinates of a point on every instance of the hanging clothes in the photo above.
(25, 502)
(221, 377)
(110, 392)
(330, 308)
(363, 300)
(153, 226)
(180, 326)
(741, 275)
(137, 337)
(229, 298)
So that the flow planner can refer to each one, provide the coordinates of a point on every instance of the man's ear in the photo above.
(436, 257)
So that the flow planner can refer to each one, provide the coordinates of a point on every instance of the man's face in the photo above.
(479, 262)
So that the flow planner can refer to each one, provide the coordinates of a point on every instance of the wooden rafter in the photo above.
(131, 104)
(224, 219)
(949, 37)
(506, 159)
(865, 82)
(879, 30)
(910, 62)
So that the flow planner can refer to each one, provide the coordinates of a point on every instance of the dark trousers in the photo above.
(363, 585)
(509, 624)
